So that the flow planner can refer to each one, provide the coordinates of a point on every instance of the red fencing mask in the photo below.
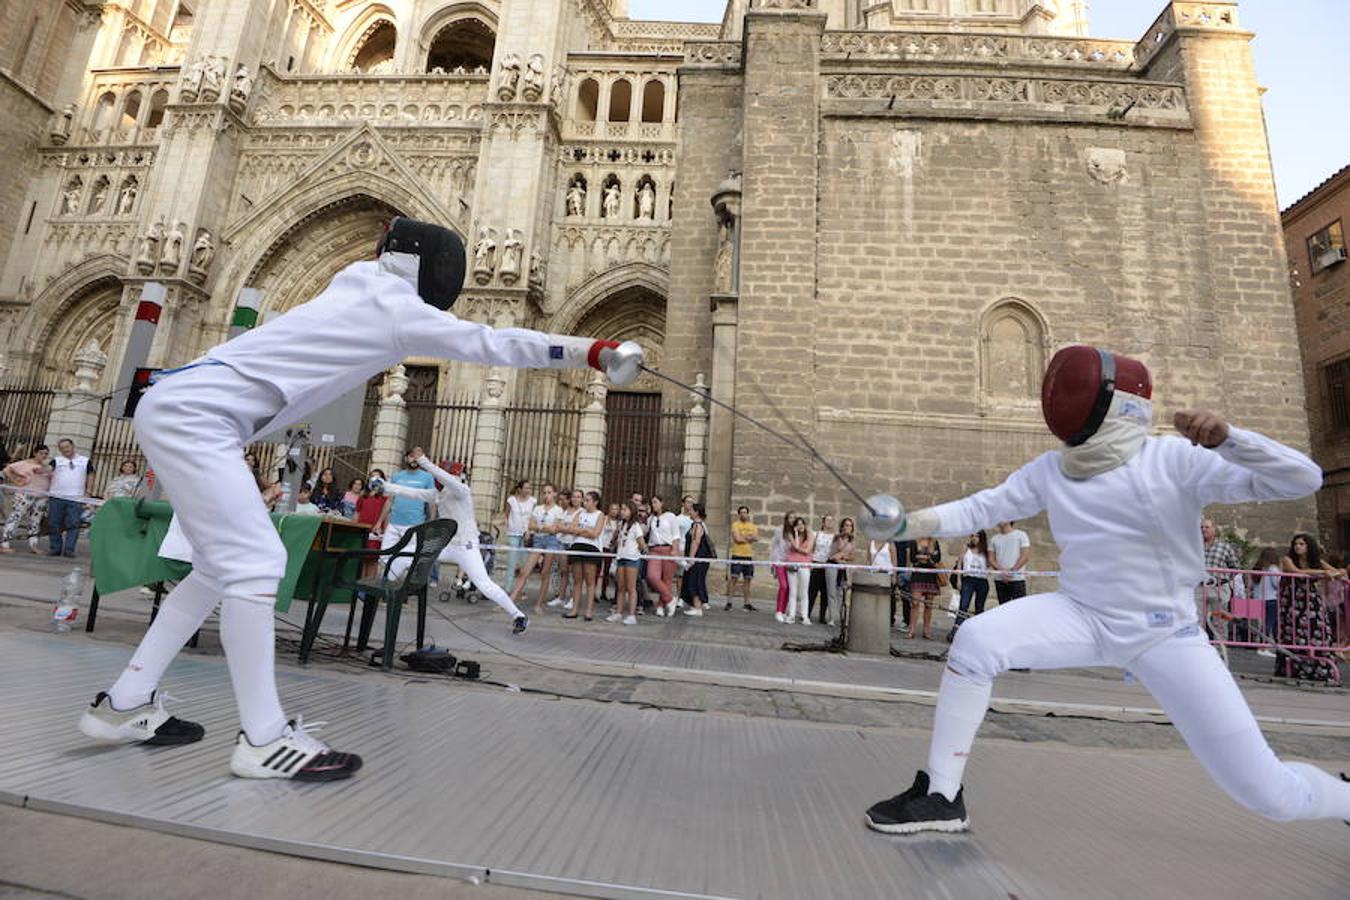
(1079, 384)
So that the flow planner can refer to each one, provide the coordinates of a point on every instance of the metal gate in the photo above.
(541, 445)
(25, 411)
(644, 448)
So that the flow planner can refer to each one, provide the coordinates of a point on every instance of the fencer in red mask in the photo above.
(1124, 501)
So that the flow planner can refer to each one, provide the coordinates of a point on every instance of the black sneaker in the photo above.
(917, 810)
(440, 253)
(1343, 778)
(522, 622)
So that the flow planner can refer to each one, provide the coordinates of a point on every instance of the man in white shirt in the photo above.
(199, 419)
(1009, 551)
(1118, 500)
(70, 485)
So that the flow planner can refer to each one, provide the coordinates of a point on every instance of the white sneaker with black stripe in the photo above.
(148, 723)
(297, 754)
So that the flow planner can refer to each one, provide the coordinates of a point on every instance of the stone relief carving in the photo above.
(98, 198)
(533, 87)
(58, 130)
(203, 253)
(905, 147)
(977, 47)
(722, 263)
(173, 249)
(243, 86)
(191, 84)
(538, 269)
(512, 249)
(70, 197)
(576, 197)
(126, 197)
(213, 77)
(646, 198)
(611, 199)
(1101, 94)
(485, 255)
(509, 78)
(149, 251)
(1106, 165)
(557, 85)
(722, 54)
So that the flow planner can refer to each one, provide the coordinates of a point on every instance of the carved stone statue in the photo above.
(556, 85)
(59, 130)
(576, 198)
(213, 77)
(484, 255)
(647, 201)
(538, 269)
(192, 81)
(512, 248)
(173, 249)
(243, 86)
(70, 197)
(145, 260)
(510, 77)
(126, 199)
(533, 88)
(722, 263)
(99, 198)
(203, 252)
(612, 200)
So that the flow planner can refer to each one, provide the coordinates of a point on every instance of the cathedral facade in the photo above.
(871, 221)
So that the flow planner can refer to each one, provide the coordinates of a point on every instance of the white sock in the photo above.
(962, 703)
(246, 633)
(180, 615)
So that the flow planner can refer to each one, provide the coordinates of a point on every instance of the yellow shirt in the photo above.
(742, 533)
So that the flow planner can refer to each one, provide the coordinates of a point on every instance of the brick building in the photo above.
(880, 218)
(1314, 233)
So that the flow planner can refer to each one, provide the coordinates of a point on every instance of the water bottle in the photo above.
(72, 591)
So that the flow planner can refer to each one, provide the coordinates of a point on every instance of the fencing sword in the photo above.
(881, 516)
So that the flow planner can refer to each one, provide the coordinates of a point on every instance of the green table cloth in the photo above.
(125, 536)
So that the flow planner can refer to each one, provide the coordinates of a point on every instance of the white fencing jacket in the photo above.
(367, 320)
(453, 501)
(1129, 539)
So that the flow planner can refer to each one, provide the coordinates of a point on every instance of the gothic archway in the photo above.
(302, 259)
(1014, 341)
(89, 314)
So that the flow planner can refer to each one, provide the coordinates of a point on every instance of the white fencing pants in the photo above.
(1185, 675)
(392, 535)
(470, 561)
(193, 427)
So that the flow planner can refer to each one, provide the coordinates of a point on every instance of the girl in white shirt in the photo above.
(818, 591)
(608, 535)
(570, 500)
(519, 505)
(663, 531)
(629, 547)
(777, 557)
(541, 533)
(974, 567)
(585, 529)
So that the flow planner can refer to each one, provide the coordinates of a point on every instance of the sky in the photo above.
(1300, 50)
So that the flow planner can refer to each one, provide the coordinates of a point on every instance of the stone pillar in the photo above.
(76, 412)
(391, 424)
(489, 445)
(721, 424)
(590, 473)
(695, 475)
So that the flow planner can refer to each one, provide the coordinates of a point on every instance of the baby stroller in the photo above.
(463, 589)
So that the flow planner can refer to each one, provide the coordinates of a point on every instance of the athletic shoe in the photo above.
(806, 620)
(727, 608)
(33, 546)
(439, 254)
(780, 617)
(556, 601)
(145, 724)
(660, 610)
(917, 810)
(520, 624)
(613, 617)
(630, 620)
(697, 613)
(1269, 654)
(569, 605)
(749, 607)
(296, 754)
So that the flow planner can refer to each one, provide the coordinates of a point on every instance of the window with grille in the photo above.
(1336, 376)
(1327, 247)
